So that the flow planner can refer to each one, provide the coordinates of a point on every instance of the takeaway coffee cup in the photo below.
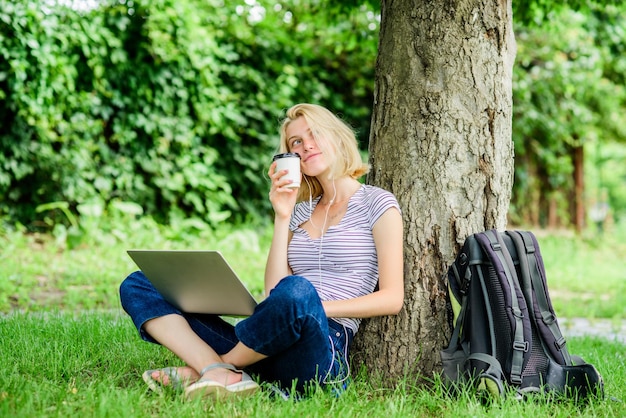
(289, 161)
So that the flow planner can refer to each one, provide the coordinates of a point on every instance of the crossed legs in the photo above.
(290, 327)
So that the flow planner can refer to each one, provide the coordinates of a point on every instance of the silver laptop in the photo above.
(195, 281)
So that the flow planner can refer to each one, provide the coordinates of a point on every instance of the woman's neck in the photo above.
(338, 190)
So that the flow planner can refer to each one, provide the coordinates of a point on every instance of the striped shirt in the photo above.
(342, 263)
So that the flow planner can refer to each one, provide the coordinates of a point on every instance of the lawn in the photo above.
(68, 350)
(586, 275)
(88, 364)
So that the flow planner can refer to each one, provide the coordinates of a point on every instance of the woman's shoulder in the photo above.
(375, 201)
(302, 212)
(375, 194)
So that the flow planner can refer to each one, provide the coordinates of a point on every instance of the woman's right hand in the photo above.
(283, 198)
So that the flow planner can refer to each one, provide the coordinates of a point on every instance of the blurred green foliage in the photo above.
(170, 108)
(569, 94)
(172, 104)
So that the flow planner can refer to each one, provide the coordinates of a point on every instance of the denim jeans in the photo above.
(289, 326)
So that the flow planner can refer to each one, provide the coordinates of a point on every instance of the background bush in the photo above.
(172, 104)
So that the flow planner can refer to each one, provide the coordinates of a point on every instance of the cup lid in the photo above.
(286, 155)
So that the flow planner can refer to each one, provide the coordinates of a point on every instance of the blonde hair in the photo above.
(334, 137)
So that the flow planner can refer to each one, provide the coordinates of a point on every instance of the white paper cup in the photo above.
(289, 161)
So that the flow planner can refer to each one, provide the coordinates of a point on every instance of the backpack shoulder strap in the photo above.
(529, 258)
(458, 327)
(459, 276)
(520, 346)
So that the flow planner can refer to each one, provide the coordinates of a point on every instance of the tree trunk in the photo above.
(553, 211)
(578, 157)
(441, 142)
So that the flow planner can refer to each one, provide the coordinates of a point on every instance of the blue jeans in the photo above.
(290, 327)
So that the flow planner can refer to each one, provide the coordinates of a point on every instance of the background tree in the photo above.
(568, 98)
(441, 142)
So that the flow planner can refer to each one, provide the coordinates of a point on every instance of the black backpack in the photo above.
(505, 331)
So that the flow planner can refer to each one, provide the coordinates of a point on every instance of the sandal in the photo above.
(205, 388)
(177, 381)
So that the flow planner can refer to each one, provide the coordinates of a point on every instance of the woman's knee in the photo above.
(296, 289)
(136, 282)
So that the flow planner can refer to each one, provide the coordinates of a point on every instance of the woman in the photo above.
(328, 253)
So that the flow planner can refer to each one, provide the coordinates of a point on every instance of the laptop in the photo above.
(196, 281)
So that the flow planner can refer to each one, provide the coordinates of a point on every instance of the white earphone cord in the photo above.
(332, 362)
(321, 282)
(319, 255)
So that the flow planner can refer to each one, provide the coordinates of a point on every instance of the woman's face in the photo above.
(300, 139)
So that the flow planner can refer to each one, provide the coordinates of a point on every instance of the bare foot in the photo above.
(185, 375)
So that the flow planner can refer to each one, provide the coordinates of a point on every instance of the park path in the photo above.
(605, 328)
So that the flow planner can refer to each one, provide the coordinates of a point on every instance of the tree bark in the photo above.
(578, 158)
(441, 142)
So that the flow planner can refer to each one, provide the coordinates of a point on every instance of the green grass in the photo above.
(68, 349)
(40, 273)
(586, 275)
(89, 364)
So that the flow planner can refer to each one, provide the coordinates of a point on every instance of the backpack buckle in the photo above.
(465, 282)
(549, 318)
(521, 346)
(464, 287)
(560, 343)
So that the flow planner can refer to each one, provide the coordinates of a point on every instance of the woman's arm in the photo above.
(277, 266)
(283, 201)
(389, 298)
